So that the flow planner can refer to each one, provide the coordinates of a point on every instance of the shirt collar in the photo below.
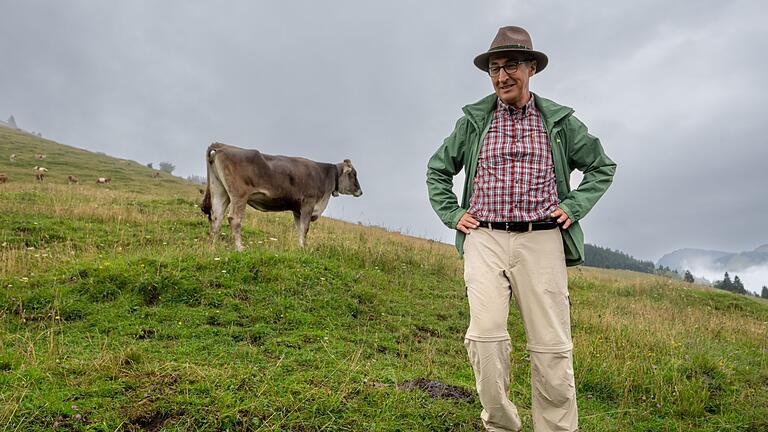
(528, 108)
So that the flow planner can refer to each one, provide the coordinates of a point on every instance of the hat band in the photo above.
(506, 47)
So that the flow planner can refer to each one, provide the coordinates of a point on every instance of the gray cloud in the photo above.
(676, 94)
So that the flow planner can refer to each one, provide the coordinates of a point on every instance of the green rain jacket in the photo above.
(572, 148)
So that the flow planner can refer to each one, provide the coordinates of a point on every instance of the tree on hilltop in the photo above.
(735, 286)
(738, 287)
(167, 167)
(764, 294)
(197, 179)
(725, 284)
(688, 277)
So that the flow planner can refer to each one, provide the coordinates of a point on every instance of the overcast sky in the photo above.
(675, 90)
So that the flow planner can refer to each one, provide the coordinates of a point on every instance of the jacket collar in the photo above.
(481, 111)
(526, 110)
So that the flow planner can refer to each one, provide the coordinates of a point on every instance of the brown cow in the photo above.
(3, 178)
(271, 183)
(71, 179)
(40, 156)
(156, 174)
(103, 180)
(40, 172)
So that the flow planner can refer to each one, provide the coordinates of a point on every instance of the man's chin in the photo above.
(508, 99)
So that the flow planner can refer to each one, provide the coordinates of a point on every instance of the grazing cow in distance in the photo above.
(156, 174)
(3, 178)
(243, 177)
(13, 157)
(40, 172)
(71, 179)
(40, 156)
(104, 180)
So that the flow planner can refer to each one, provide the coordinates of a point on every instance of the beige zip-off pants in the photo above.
(531, 267)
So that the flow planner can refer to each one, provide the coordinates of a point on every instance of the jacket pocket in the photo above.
(572, 251)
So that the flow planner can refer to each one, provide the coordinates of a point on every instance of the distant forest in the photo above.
(596, 256)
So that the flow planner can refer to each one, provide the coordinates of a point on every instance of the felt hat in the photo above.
(516, 41)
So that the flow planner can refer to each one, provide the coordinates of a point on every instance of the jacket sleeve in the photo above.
(446, 163)
(585, 153)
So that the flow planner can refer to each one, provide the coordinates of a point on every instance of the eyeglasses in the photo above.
(509, 68)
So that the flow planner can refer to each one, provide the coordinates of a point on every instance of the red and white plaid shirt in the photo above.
(515, 179)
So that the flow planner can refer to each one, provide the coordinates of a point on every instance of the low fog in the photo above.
(754, 278)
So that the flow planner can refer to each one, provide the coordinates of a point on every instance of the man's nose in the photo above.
(503, 75)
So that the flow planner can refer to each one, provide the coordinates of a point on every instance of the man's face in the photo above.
(511, 88)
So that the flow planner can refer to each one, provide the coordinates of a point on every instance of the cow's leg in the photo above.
(219, 203)
(302, 224)
(236, 212)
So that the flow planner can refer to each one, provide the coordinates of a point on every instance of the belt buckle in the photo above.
(506, 226)
(530, 226)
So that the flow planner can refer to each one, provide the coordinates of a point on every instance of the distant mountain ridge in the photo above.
(711, 265)
(685, 259)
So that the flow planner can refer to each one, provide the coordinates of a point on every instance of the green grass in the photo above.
(114, 308)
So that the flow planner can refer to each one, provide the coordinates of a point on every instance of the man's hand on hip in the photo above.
(466, 223)
(562, 218)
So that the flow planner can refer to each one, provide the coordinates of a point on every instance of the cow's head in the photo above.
(347, 180)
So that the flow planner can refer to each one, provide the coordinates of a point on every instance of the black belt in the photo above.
(520, 226)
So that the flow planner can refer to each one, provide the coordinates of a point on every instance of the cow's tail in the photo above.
(206, 205)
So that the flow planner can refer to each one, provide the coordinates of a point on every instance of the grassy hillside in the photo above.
(116, 315)
(63, 161)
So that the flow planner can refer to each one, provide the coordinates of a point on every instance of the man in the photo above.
(517, 228)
